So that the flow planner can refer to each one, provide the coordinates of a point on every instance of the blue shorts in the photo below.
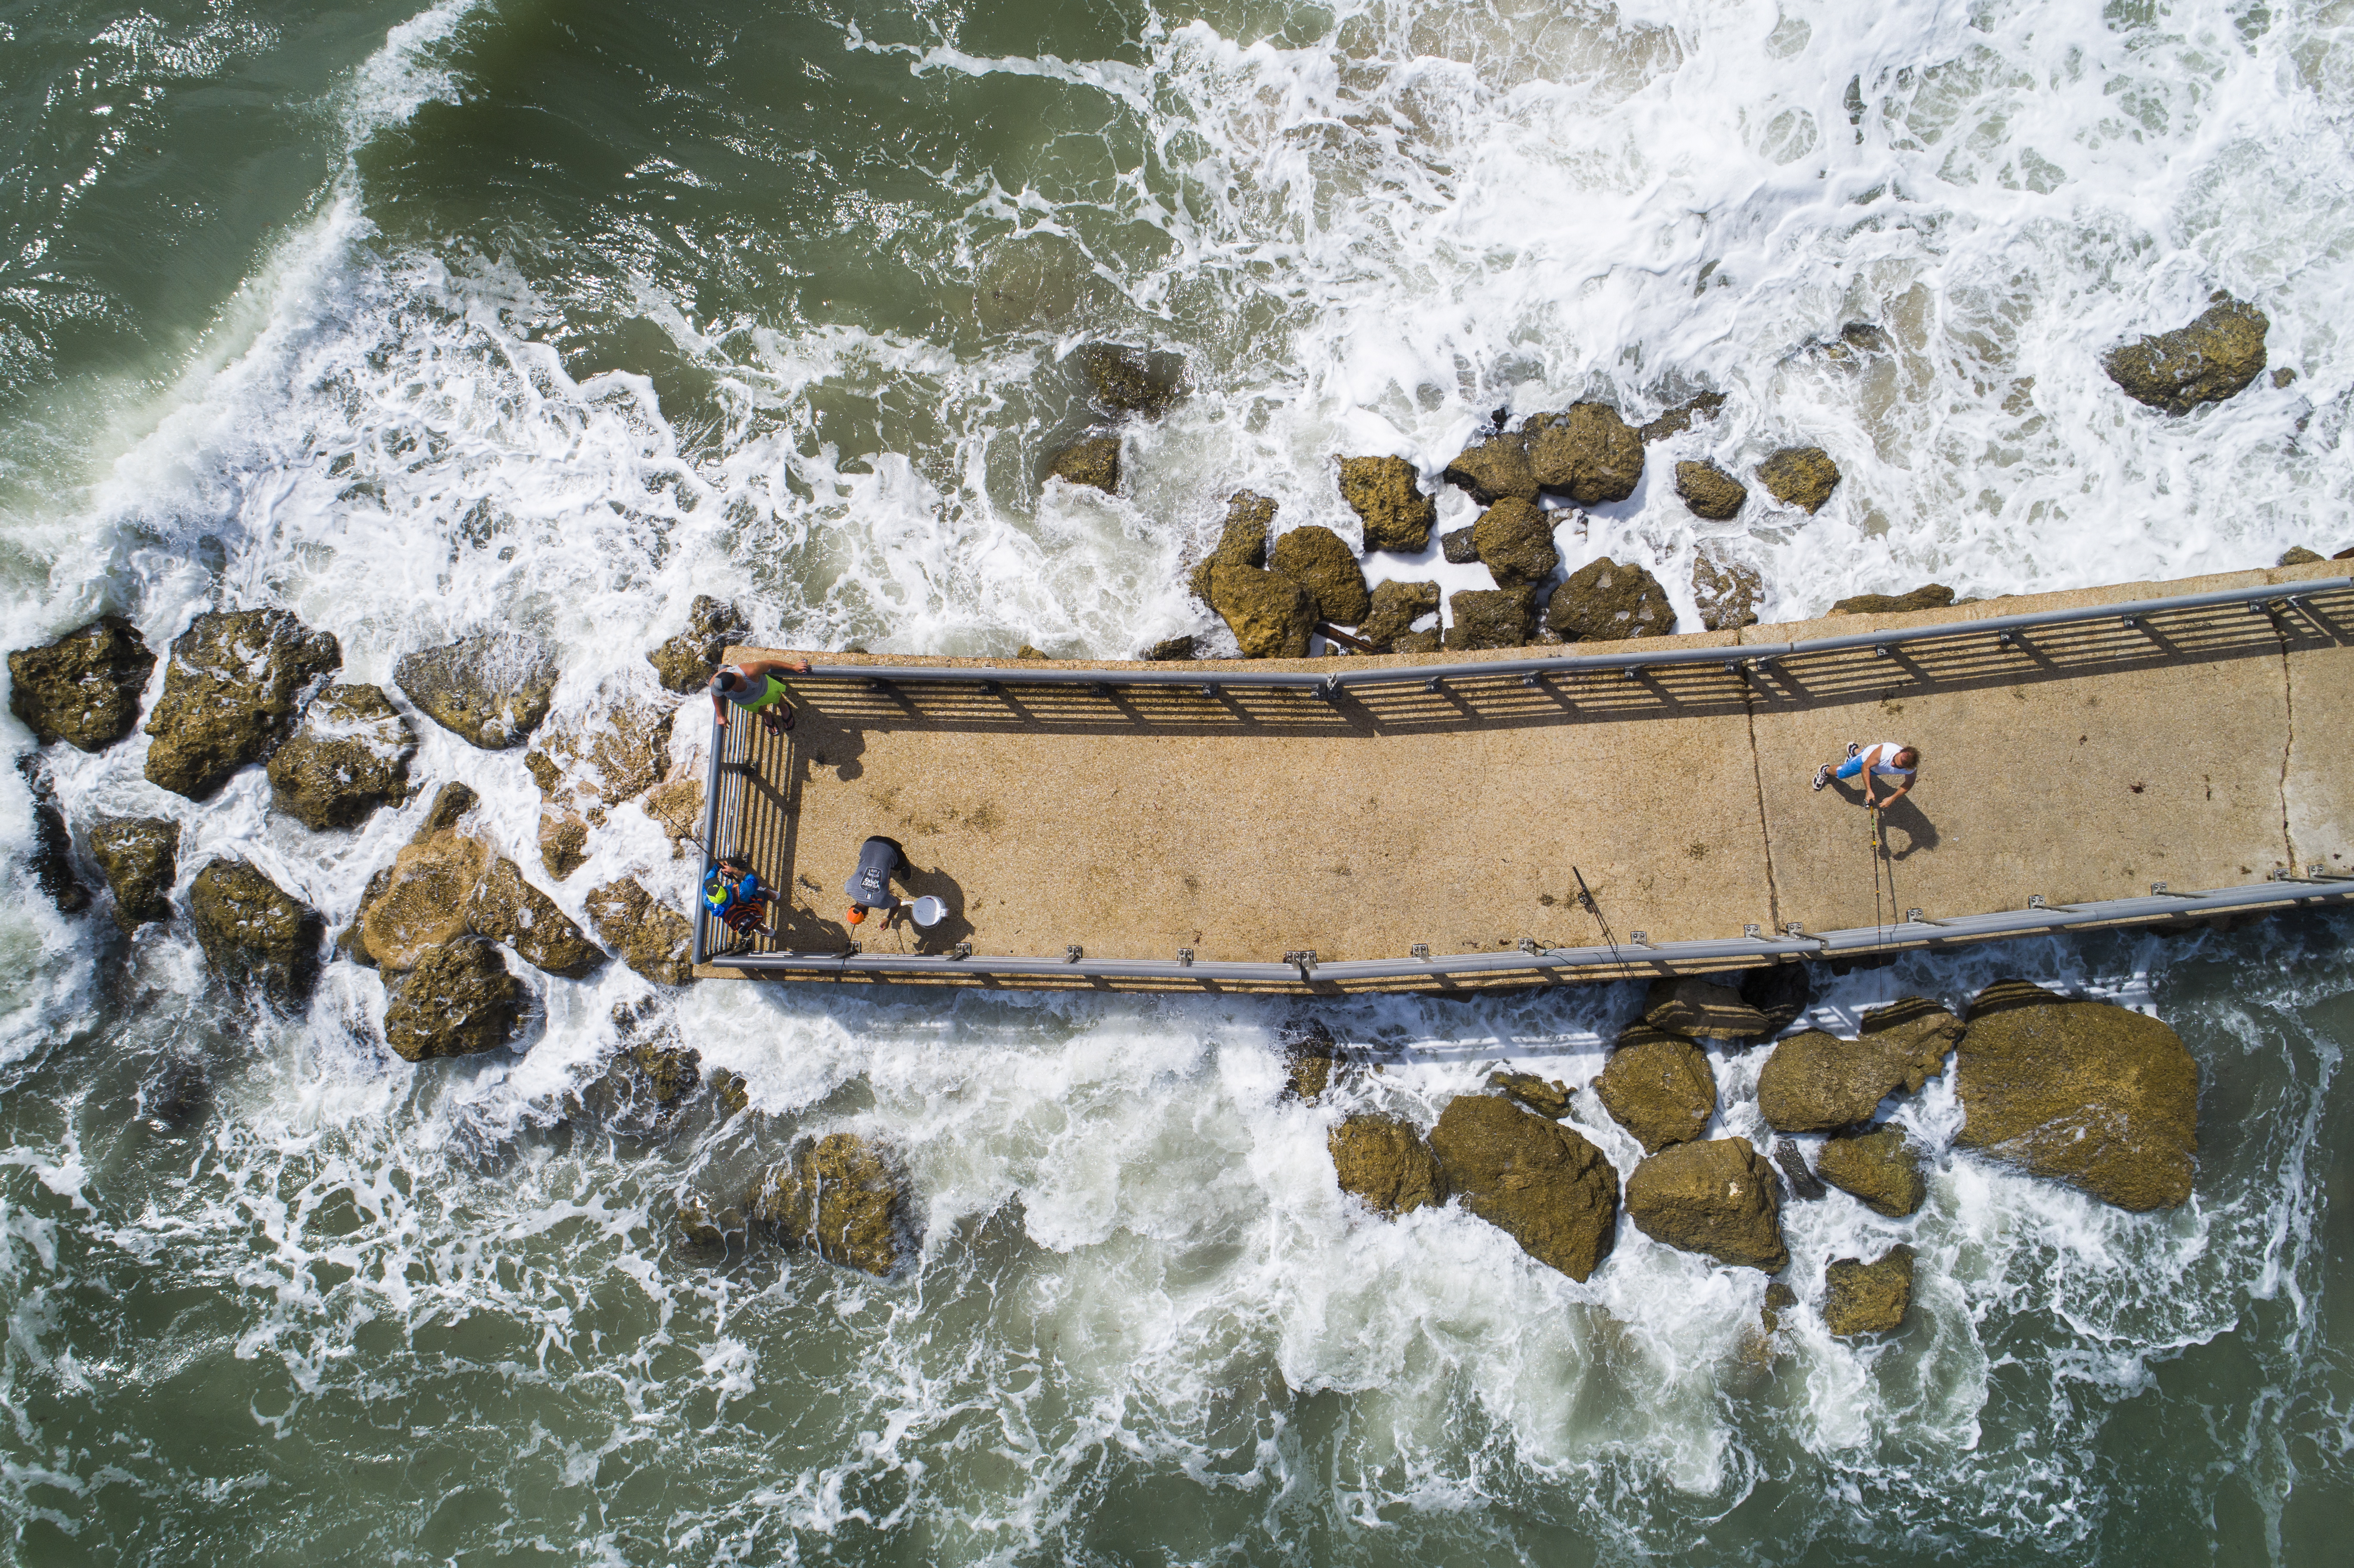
(1854, 765)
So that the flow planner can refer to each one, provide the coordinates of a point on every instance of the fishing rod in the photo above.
(1594, 907)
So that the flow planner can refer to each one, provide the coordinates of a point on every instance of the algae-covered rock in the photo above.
(1122, 380)
(237, 681)
(423, 902)
(844, 1197)
(2081, 1092)
(1548, 1098)
(1929, 596)
(1658, 1089)
(348, 756)
(1242, 538)
(1879, 1167)
(1803, 477)
(2215, 357)
(592, 759)
(1709, 492)
(1493, 469)
(1779, 992)
(1308, 1054)
(507, 909)
(1700, 1009)
(677, 806)
(1319, 561)
(490, 691)
(649, 938)
(687, 662)
(1588, 453)
(1396, 606)
(1861, 1297)
(563, 844)
(1271, 616)
(1172, 650)
(1607, 601)
(1779, 1299)
(1385, 494)
(1539, 1182)
(1718, 1197)
(1514, 538)
(1415, 641)
(457, 1000)
(1815, 1082)
(1675, 421)
(260, 939)
(83, 688)
(1384, 1162)
(1489, 618)
(139, 856)
(1093, 462)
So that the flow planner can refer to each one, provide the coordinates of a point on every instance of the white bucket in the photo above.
(928, 911)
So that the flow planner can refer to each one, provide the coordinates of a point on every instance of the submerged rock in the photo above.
(1385, 494)
(1493, 469)
(1607, 601)
(1319, 560)
(841, 1196)
(1709, 492)
(1780, 992)
(260, 939)
(593, 759)
(1242, 538)
(2215, 357)
(1815, 1082)
(1803, 477)
(1661, 1090)
(676, 807)
(507, 909)
(1929, 596)
(1536, 1181)
(1588, 453)
(1861, 1297)
(1514, 540)
(1122, 380)
(139, 856)
(1308, 1054)
(1675, 421)
(490, 691)
(348, 756)
(459, 1000)
(1779, 1299)
(1879, 1167)
(53, 857)
(649, 938)
(2083, 1092)
(1396, 606)
(1271, 616)
(1700, 1009)
(1548, 1098)
(563, 844)
(687, 662)
(1489, 618)
(423, 902)
(1093, 462)
(1385, 1162)
(83, 688)
(237, 681)
(1718, 1197)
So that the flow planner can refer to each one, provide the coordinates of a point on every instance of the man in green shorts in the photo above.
(757, 686)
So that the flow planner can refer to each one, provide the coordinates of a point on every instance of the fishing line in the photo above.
(1594, 907)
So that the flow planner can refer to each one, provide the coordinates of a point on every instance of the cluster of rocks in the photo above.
(1122, 382)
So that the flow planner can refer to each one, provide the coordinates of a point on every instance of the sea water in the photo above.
(494, 314)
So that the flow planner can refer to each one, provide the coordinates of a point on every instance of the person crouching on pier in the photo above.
(869, 887)
(734, 894)
(1883, 760)
(755, 686)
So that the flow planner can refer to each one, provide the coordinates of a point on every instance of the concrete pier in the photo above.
(2066, 767)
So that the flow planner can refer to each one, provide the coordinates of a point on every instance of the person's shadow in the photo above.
(1904, 818)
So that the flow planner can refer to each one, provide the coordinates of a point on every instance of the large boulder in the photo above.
(1803, 477)
(490, 691)
(1719, 1197)
(2081, 1092)
(1122, 380)
(1861, 1297)
(1489, 618)
(1780, 992)
(1383, 494)
(1588, 453)
(1880, 1167)
(1709, 492)
(1493, 469)
(459, 1000)
(1242, 538)
(1384, 1162)
(1659, 1089)
(1514, 538)
(507, 909)
(1092, 462)
(348, 756)
(1607, 601)
(841, 1196)
(261, 940)
(139, 857)
(589, 760)
(84, 688)
(1700, 1009)
(1815, 1082)
(1271, 616)
(1929, 596)
(1675, 421)
(237, 681)
(2215, 357)
(649, 937)
(1541, 1185)
(423, 900)
(1395, 608)
(687, 662)
(1319, 560)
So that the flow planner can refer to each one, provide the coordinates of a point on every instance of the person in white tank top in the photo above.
(1890, 760)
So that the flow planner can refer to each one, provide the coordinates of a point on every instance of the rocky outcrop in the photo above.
(1384, 1162)
(2298, 555)
(1548, 1098)
(260, 939)
(1395, 608)
(1929, 596)
(1493, 469)
(237, 683)
(1385, 494)
(1172, 650)
(676, 807)
(1539, 1182)
(2081, 1092)
(1250, 518)
(1093, 462)
(1780, 992)
(1879, 1167)
(1319, 561)
(845, 1198)
(1803, 477)
(2215, 357)
(649, 938)
(1588, 453)
(139, 857)
(1718, 1197)
(592, 759)
(1489, 618)
(1122, 380)
(507, 909)
(1308, 1054)
(1709, 492)
(1607, 600)
(1726, 592)
(348, 756)
(84, 688)
(459, 1000)
(1675, 421)
(687, 662)
(1514, 540)
(1659, 1089)
(1271, 616)
(1815, 1082)
(424, 899)
(1700, 1009)
(490, 691)
(1861, 1297)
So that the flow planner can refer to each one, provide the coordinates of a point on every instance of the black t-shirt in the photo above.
(879, 859)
